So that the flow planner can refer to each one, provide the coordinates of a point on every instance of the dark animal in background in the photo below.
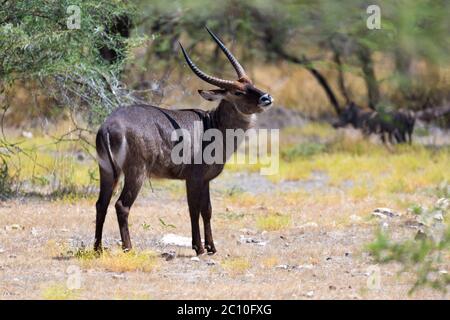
(136, 141)
(395, 126)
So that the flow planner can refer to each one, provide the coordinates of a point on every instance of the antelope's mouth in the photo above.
(265, 100)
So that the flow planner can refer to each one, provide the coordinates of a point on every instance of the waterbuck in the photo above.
(136, 141)
(397, 125)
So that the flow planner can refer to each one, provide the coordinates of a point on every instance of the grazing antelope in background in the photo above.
(396, 124)
(136, 141)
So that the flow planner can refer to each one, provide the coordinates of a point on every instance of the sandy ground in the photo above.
(319, 255)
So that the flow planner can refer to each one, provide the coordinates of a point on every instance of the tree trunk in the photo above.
(373, 91)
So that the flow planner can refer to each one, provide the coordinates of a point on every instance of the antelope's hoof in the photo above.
(210, 249)
(198, 250)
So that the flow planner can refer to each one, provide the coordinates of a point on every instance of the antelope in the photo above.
(136, 141)
(398, 124)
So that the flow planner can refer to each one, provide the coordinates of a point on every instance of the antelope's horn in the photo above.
(221, 83)
(237, 66)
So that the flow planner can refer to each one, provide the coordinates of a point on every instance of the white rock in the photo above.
(310, 294)
(438, 216)
(34, 232)
(169, 255)
(210, 262)
(118, 276)
(2, 250)
(196, 259)
(384, 213)
(384, 226)
(443, 203)
(27, 134)
(171, 239)
(309, 225)
(258, 242)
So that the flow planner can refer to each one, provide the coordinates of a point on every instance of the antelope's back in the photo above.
(141, 137)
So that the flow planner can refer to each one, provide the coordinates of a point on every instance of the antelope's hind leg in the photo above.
(107, 185)
(134, 179)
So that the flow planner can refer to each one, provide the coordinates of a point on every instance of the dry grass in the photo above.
(241, 270)
(273, 222)
(118, 261)
(315, 237)
(59, 292)
(236, 265)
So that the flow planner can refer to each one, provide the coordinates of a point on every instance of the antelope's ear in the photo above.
(212, 95)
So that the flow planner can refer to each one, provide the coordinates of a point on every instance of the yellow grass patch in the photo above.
(270, 262)
(118, 261)
(236, 266)
(59, 292)
(273, 222)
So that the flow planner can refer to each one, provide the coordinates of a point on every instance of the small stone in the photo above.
(169, 255)
(443, 271)
(248, 231)
(384, 225)
(348, 254)
(258, 242)
(34, 232)
(14, 227)
(282, 266)
(306, 266)
(196, 259)
(211, 262)
(310, 294)
(309, 225)
(12, 256)
(118, 276)
(332, 287)
(421, 235)
(328, 258)
(384, 213)
(2, 250)
(80, 156)
(27, 134)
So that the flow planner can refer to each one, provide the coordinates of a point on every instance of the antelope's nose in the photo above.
(265, 100)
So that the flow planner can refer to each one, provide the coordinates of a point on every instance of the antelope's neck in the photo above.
(227, 116)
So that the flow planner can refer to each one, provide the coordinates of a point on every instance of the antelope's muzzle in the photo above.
(265, 100)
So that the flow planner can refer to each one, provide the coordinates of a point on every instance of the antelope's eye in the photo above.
(238, 93)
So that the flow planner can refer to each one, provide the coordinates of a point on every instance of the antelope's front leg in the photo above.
(194, 192)
(206, 212)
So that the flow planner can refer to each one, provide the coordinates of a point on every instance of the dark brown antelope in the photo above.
(136, 141)
(398, 125)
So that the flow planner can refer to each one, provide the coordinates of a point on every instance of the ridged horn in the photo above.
(237, 66)
(221, 83)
